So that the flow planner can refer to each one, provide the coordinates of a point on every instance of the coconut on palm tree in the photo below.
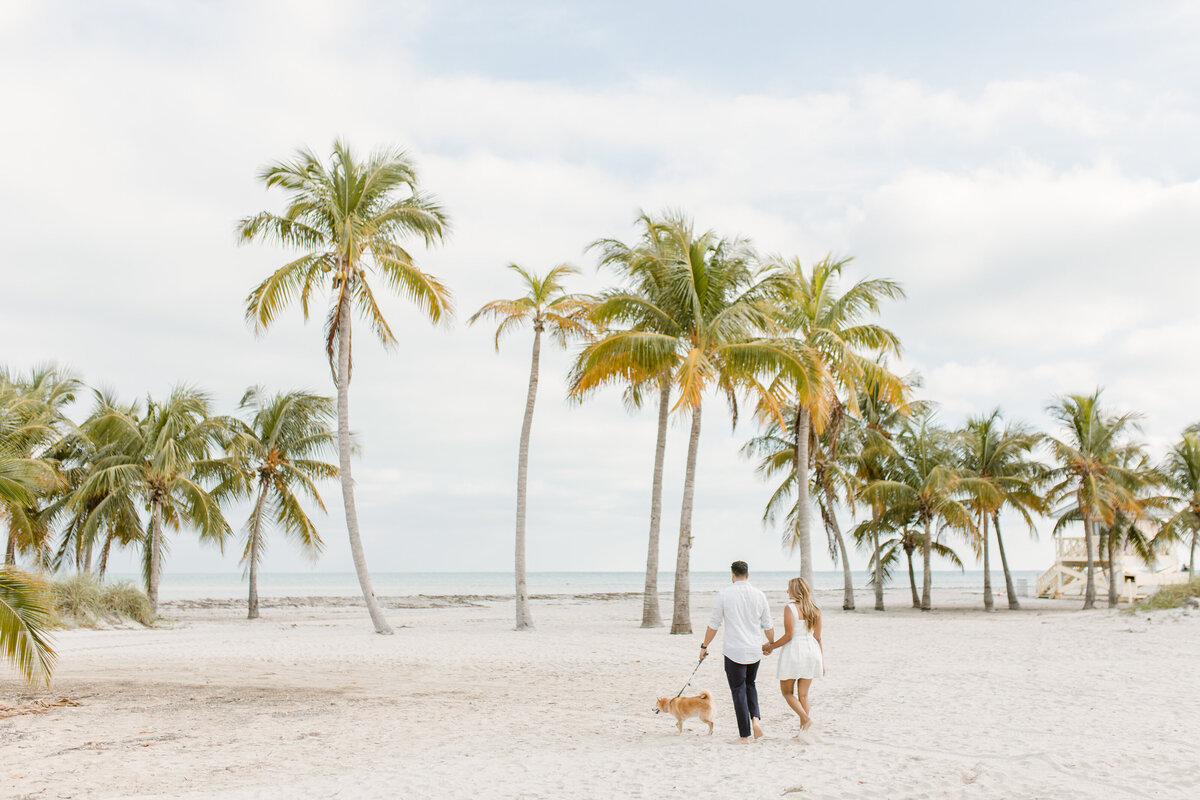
(1088, 472)
(547, 308)
(832, 324)
(636, 305)
(278, 452)
(348, 219)
(719, 303)
(997, 457)
(167, 458)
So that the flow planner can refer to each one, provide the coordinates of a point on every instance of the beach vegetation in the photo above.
(26, 617)
(82, 600)
(1172, 595)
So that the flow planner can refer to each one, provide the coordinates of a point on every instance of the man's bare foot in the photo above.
(758, 732)
(742, 741)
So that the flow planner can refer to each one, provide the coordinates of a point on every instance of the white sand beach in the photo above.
(308, 703)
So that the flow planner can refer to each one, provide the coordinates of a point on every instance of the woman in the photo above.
(801, 655)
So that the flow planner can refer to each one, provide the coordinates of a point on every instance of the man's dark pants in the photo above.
(745, 694)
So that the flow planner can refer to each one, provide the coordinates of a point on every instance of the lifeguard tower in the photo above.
(1068, 576)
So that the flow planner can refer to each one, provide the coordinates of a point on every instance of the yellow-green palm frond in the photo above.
(26, 617)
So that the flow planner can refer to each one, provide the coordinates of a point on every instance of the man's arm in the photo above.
(709, 634)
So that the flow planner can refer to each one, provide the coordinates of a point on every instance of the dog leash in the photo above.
(689, 683)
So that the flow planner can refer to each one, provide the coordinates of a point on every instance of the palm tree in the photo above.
(891, 541)
(164, 457)
(1182, 473)
(925, 488)
(1088, 470)
(278, 452)
(348, 220)
(831, 324)
(720, 306)
(873, 431)
(1135, 523)
(831, 484)
(32, 424)
(635, 305)
(26, 617)
(998, 459)
(547, 307)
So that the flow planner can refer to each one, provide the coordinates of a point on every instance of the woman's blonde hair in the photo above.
(798, 590)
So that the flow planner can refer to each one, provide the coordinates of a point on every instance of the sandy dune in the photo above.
(307, 703)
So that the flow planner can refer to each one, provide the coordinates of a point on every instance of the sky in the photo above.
(1028, 172)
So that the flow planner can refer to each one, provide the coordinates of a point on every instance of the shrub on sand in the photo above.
(1171, 596)
(83, 601)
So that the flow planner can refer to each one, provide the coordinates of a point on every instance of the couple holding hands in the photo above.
(746, 615)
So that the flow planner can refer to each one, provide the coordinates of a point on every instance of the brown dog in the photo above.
(683, 707)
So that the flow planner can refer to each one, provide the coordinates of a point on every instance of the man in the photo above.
(746, 615)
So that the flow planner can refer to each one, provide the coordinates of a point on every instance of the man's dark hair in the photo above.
(740, 568)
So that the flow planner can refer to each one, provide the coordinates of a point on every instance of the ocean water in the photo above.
(198, 585)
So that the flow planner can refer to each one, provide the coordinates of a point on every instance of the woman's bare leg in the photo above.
(788, 690)
(802, 687)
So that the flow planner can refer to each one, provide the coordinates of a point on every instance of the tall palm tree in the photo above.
(165, 458)
(278, 455)
(720, 304)
(636, 305)
(1182, 472)
(26, 617)
(998, 458)
(925, 487)
(548, 308)
(1137, 522)
(348, 219)
(832, 324)
(1088, 470)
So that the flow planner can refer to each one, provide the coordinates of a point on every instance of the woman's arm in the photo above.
(789, 625)
(820, 644)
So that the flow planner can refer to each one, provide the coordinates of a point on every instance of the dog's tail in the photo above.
(706, 694)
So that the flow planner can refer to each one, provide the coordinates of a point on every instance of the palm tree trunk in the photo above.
(912, 580)
(1013, 603)
(926, 577)
(651, 616)
(1089, 596)
(1192, 557)
(155, 545)
(343, 390)
(878, 559)
(847, 576)
(10, 552)
(803, 511)
(102, 567)
(988, 603)
(681, 617)
(1114, 570)
(524, 619)
(255, 532)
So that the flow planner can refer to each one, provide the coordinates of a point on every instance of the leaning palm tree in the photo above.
(1182, 472)
(278, 453)
(347, 219)
(720, 305)
(925, 487)
(548, 308)
(165, 458)
(635, 305)
(1088, 471)
(26, 617)
(832, 324)
(998, 458)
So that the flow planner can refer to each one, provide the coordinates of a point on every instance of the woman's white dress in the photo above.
(801, 656)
